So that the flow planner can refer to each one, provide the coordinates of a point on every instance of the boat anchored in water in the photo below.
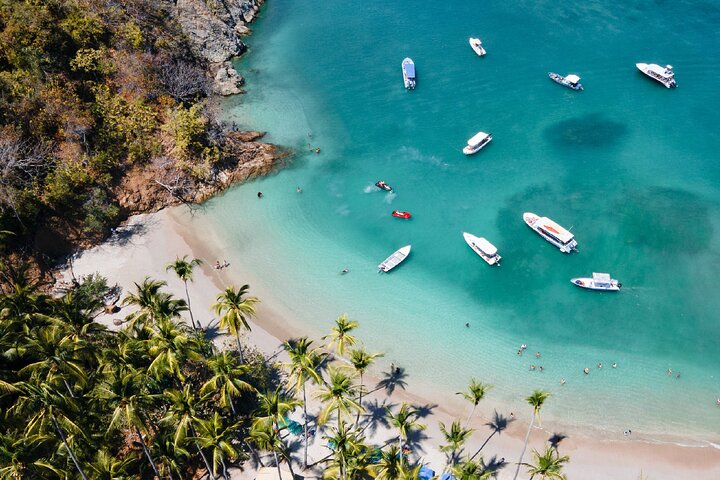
(476, 45)
(477, 142)
(664, 75)
(599, 281)
(400, 214)
(395, 259)
(384, 186)
(408, 69)
(551, 231)
(482, 247)
(570, 81)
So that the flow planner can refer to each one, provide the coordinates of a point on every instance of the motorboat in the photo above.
(570, 81)
(477, 142)
(399, 214)
(664, 75)
(384, 186)
(408, 68)
(482, 247)
(599, 281)
(395, 259)
(476, 45)
(551, 231)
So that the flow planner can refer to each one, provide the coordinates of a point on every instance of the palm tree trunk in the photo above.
(254, 454)
(237, 338)
(207, 464)
(147, 452)
(527, 438)
(72, 455)
(471, 414)
(68, 388)
(224, 467)
(357, 419)
(305, 426)
(187, 295)
(277, 464)
(289, 462)
(483, 445)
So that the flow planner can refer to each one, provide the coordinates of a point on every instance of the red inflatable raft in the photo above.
(399, 214)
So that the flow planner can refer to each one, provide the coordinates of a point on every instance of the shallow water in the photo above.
(628, 164)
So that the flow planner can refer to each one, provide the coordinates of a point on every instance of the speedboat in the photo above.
(570, 81)
(408, 68)
(664, 75)
(383, 185)
(599, 281)
(551, 231)
(395, 259)
(482, 247)
(399, 214)
(476, 143)
(476, 45)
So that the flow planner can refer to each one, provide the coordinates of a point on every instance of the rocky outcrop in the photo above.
(214, 28)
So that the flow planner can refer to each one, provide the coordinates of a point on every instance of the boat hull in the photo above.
(589, 284)
(395, 259)
(559, 79)
(409, 80)
(399, 214)
(667, 82)
(477, 47)
(532, 220)
(468, 150)
(473, 242)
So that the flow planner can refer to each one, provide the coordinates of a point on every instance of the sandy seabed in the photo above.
(147, 243)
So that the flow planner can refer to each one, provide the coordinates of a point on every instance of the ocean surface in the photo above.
(630, 166)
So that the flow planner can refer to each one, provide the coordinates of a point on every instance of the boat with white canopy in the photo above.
(551, 231)
(570, 81)
(408, 68)
(477, 142)
(395, 259)
(482, 247)
(599, 281)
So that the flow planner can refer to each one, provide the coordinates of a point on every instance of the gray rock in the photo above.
(227, 80)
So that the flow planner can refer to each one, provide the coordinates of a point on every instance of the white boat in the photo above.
(408, 69)
(477, 142)
(664, 75)
(599, 281)
(482, 247)
(476, 45)
(551, 231)
(570, 81)
(395, 259)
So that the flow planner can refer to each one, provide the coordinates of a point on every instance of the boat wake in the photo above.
(390, 197)
(370, 188)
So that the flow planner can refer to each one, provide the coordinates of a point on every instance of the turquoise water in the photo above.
(631, 166)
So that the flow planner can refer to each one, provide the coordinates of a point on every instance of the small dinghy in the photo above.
(599, 281)
(395, 259)
(399, 214)
(383, 185)
(476, 45)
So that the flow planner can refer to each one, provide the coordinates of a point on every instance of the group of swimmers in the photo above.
(220, 266)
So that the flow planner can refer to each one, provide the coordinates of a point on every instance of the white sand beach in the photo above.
(149, 242)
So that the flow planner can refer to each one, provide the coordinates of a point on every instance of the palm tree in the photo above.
(183, 269)
(470, 470)
(548, 465)
(475, 392)
(340, 334)
(234, 310)
(19, 458)
(226, 381)
(145, 299)
(455, 437)
(361, 361)
(338, 395)
(390, 464)
(169, 347)
(304, 365)
(349, 457)
(108, 467)
(405, 421)
(535, 400)
(265, 437)
(213, 434)
(172, 460)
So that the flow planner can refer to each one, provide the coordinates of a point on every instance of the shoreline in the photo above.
(148, 242)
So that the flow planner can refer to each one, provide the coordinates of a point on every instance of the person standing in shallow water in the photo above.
(259, 194)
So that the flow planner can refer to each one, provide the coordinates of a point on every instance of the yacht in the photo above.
(570, 81)
(664, 75)
(551, 231)
(476, 45)
(408, 68)
(477, 142)
(482, 247)
(599, 281)
(395, 259)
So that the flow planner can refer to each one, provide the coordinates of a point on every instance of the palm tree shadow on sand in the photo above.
(498, 423)
(392, 379)
(555, 439)
(376, 415)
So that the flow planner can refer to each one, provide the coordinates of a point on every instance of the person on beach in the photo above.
(344, 271)
(614, 365)
(669, 372)
(600, 365)
(259, 194)
(532, 367)
(467, 325)
(541, 368)
(298, 190)
(225, 264)
(562, 381)
(217, 265)
(537, 354)
(512, 416)
(586, 370)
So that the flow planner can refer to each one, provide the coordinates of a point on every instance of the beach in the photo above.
(147, 243)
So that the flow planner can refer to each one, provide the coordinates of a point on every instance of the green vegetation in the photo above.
(91, 90)
(158, 399)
